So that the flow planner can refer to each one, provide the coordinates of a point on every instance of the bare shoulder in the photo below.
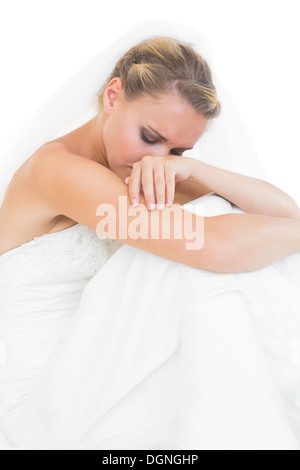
(23, 184)
(70, 185)
(56, 160)
(23, 216)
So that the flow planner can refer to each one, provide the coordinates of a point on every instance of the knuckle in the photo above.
(159, 179)
(170, 174)
(148, 185)
(147, 180)
(148, 195)
(170, 181)
(169, 163)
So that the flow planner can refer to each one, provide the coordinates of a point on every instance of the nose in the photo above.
(161, 150)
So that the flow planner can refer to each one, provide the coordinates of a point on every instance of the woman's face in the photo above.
(129, 128)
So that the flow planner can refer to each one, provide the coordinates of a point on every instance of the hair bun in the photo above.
(163, 65)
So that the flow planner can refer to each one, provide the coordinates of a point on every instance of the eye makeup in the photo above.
(148, 141)
(145, 139)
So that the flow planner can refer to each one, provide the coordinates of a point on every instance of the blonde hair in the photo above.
(165, 65)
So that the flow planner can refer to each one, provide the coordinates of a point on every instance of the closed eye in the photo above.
(145, 139)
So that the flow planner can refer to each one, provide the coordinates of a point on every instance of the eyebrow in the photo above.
(159, 135)
(166, 140)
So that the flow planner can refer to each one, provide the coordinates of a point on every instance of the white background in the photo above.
(255, 45)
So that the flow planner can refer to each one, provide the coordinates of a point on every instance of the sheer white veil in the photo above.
(225, 144)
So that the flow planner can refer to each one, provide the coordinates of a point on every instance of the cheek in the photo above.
(124, 144)
(130, 146)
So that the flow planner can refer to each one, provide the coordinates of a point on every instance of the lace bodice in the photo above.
(74, 253)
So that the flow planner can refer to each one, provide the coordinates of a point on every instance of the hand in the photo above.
(159, 171)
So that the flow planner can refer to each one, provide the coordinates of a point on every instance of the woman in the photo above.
(138, 377)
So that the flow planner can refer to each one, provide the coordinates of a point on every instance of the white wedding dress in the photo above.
(105, 346)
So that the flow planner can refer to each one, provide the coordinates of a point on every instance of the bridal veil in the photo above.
(225, 144)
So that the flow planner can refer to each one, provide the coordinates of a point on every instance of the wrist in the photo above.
(190, 163)
(195, 170)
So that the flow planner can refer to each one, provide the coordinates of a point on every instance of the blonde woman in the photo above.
(143, 368)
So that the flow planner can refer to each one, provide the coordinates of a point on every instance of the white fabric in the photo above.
(157, 355)
(154, 354)
(39, 296)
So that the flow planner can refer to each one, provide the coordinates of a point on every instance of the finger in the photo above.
(170, 184)
(147, 182)
(160, 185)
(135, 184)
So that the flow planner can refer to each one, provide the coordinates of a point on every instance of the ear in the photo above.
(113, 92)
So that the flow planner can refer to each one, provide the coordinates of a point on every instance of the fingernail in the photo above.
(150, 206)
(135, 202)
(160, 206)
(126, 180)
(169, 202)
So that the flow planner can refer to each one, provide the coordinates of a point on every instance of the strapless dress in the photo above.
(41, 283)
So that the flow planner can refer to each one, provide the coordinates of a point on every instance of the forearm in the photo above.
(252, 195)
(254, 241)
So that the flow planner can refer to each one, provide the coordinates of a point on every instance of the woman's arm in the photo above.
(252, 195)
(255, 241)
(65, 183)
